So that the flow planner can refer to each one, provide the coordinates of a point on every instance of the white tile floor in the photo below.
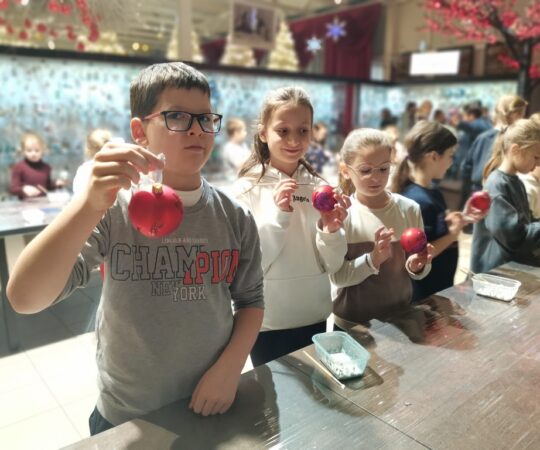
(48, 392)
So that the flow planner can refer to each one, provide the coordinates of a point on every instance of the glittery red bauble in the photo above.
(323, 198)
(156, 213)
(413, 240)
(481, 200)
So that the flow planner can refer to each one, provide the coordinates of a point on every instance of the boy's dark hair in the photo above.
(146, 88)
(422, 139)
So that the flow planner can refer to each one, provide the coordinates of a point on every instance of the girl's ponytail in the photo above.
(402, 178)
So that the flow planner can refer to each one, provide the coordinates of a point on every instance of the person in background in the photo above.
(509, 109)
(318, 155)
(424, 110)
(439, 116)
(374, 277)
(430, 148)
(300, 245)
(31, 177)
(95, 140)
(387, 118)
(469, 127)
(165, 328)
(508, 232)
(235, 151)
(407, 118)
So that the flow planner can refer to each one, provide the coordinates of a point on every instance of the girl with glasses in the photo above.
(374, 280)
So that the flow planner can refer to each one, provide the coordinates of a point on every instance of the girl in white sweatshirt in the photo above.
(300, 245)
(374, 280)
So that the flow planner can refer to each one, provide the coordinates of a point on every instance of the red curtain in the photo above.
(350, 55)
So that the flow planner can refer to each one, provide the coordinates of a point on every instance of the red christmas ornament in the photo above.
(323, 198)
(4, 4)
(80, 46)
(41, 27)
(413, 240)
(27, 23)
(23, 35)
(156, 213)
(480, 200)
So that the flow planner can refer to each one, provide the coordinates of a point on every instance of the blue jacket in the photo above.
(478, 156)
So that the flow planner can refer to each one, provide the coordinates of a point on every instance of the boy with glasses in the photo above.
(165, 329)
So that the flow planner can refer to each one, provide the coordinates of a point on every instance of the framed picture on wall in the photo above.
(252, 25)
(492, 62)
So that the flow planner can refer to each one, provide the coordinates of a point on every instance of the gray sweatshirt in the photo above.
(165, 314)
(508, 232)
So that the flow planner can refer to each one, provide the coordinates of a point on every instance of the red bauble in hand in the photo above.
(413, 240)
(480, 200)
(156, 213)
(323, 198)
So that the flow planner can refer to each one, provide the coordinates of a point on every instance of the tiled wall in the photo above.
(64, 99)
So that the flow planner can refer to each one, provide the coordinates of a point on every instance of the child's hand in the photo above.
(473, 215)
(382, 248)
(417, 261)
(116, 166)
(30, 191)
(332, 221)
(215, 391)
(455, 221)
(283, 193)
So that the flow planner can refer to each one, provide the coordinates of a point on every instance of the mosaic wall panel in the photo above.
(64, 99)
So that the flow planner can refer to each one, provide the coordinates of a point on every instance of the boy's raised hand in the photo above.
(116, 166)
(283, 193)
(332, 221)
(417, 261)
(382, 247)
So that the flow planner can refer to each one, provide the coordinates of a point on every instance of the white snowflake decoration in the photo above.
(314, 44)
(336, 29)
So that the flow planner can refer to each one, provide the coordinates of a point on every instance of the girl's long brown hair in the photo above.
(260, 153)
(423, 138)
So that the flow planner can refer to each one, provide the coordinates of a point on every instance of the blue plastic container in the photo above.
(341, 354)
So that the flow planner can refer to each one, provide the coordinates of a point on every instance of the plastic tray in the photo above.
(341, 354)
(494, 286)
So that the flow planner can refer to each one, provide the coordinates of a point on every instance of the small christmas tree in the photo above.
(238, 55)
(283, 57)
(172, 48)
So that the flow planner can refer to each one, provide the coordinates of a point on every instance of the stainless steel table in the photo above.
(456, 372)
(19, 218)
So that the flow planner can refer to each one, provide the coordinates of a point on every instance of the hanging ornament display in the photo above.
(314, 44)
(336, 29)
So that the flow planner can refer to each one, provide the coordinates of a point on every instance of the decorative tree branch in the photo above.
(490, 21)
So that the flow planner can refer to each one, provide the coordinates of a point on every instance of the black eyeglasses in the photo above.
(182, 121)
